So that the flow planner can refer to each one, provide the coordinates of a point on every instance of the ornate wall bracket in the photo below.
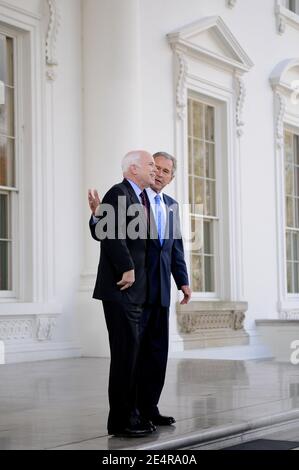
(240, 92)
(181, 88)
(51, 38)
(231, 3)
(280, 109)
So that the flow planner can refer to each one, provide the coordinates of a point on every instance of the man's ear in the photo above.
(134, 169)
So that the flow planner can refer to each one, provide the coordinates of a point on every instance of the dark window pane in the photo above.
(210, 123)
(210, 161)
(289, 245)
(5, 264)
(198, 119)
(7, 112)
(3, 216)
(290, 277)
(208, 238)
(209, 276)
(198, 157)
(7, 162)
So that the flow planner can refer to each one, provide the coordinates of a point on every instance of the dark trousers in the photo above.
(152, 359)
(123, 324)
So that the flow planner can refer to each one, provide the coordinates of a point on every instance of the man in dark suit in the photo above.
(122, 286)
(165, 257)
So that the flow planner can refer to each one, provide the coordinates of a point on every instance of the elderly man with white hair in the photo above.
(121, 285)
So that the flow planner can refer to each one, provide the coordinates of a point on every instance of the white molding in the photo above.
(20, 328)
(51, 38)
(240, 99)
(15, 9)
(231, 3)
(285, 114)
(184, 39)
(284, 17)
(40, 351)
(181, 90)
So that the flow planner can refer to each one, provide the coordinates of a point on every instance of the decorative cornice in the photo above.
(240, 99)
(231, 3)
(17, 329)
(185, 38)
(181, 89)
(51, 38)
(199, 316)
(197, 321)
(289, 315)
(38, 328)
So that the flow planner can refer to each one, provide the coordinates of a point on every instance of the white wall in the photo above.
(114, 39)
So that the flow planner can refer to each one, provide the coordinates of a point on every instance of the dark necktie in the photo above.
(145, 204)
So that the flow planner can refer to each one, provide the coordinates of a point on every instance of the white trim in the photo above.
(16, 353)
(284, 17)
(21, 11)
(184, 38)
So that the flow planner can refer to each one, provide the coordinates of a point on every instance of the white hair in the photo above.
(132, 158)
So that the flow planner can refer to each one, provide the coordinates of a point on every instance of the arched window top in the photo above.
(285, 74)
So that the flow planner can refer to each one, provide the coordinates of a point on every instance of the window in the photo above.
(292, 5)
(202, 192)
(292, 210)
(7, 159)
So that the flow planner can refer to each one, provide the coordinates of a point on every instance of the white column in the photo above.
(111, 95)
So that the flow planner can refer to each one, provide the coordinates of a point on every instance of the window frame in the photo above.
(13, 191)
(285, 16)
(293, 132)
(216, 235)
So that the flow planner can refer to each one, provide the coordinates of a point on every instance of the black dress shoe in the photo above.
(148, 424)
(160, 420)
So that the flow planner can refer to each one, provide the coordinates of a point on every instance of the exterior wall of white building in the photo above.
(151, 111)
(39, 322)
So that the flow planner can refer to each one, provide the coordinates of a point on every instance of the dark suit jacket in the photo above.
(120, 255)
(166, 259)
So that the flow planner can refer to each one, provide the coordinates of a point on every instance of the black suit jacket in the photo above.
(166, 259)
(121, 254)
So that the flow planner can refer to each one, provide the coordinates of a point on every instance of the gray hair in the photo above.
(168, 157)
(131, 158)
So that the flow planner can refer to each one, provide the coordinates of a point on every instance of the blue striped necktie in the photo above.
(160, 218)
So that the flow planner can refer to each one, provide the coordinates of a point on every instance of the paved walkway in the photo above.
(63, 404)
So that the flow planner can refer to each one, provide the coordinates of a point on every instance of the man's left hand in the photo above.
(187, 294)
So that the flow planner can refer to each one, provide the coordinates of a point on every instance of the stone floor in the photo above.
(63, 404)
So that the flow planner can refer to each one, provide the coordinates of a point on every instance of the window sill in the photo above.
(28, 308)
(285, 16)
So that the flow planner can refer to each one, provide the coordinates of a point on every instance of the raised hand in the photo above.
(93, 200)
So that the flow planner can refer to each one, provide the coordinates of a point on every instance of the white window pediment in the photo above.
(208, 51)
(211, 38)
